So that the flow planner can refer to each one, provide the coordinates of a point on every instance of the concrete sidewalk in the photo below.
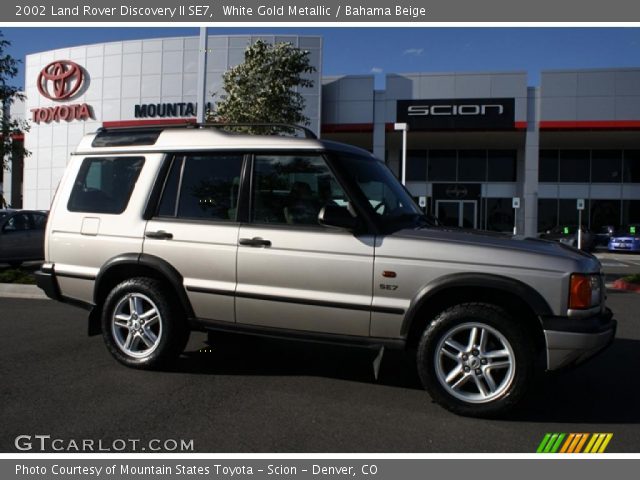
(14, 290)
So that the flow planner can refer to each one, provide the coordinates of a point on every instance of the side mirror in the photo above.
(337, 217)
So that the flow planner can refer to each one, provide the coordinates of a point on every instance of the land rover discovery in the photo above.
(160, 231)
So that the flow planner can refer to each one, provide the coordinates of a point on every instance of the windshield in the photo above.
(628, 230)
(390, 202)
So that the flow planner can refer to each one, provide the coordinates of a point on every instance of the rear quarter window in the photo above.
(105, 184)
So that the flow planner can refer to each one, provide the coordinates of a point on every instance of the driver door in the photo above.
(292, 272)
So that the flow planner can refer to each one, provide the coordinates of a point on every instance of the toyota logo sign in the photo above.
(60, 80)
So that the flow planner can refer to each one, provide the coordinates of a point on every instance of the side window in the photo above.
(39, 221)
(18, 223)
(202, 186)
(293, 189)
(105, 184)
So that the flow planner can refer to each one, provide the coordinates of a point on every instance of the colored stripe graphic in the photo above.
(574, 443)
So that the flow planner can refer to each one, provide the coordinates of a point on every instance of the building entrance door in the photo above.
(457, 213)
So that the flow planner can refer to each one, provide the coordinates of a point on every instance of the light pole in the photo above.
(202, 75)
(404, 127)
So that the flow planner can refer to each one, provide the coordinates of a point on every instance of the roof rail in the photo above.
(155, 126)
(277, 127)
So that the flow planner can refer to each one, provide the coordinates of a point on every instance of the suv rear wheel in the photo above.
(474, 360)
(141, 328)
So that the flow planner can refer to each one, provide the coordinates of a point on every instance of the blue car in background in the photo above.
(627, 239)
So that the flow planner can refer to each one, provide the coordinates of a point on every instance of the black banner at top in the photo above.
(457, 114)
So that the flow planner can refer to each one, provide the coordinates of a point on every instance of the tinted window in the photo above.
(416, 165)
(203, 186)
(17, 223)
(574, 166)
(630, 212)
(604, 212)
(472, 165)
(606, 166)
(632, 166)
(124, 138)
(547, 214)
(292, 189)
(169, 198)
(500, 214)
(548, 166)
(39, 221)
(104, 185)
(502, 165)
(568, 212)
(388, 199)
(442, 165)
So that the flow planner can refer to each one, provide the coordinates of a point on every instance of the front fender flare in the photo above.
(481, 280)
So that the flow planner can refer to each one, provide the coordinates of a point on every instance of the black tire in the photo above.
(472, 366)
(167, 331)
(14, 263)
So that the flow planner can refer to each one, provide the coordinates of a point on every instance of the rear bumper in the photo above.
(46, 280)
(572, 341)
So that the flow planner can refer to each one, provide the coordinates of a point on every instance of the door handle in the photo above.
(159, 235)
(255, 242)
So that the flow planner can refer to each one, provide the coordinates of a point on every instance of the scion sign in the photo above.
(457, 114)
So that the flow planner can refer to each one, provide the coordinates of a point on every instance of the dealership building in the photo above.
(477, 144)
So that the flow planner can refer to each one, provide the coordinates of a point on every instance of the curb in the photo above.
(620, 284)
(14, 290)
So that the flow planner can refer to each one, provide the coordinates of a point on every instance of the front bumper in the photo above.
(572, 341)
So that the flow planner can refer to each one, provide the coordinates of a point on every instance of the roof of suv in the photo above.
(155, 139)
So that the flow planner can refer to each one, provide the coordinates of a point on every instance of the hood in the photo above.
(500, 249)
(630, 238)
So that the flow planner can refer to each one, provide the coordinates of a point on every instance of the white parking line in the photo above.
(614, 264)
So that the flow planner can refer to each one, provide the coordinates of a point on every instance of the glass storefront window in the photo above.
(416, 165)
(604, 212)
(499, 213)
(574, 166)
(631, 166)
(548, 166)
(547, 214)
(630, 212)
(442, 165)
(502, 165)
(606, 166)
(568, 213)
(472, 165)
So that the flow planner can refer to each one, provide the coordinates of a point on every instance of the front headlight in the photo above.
(584, 291)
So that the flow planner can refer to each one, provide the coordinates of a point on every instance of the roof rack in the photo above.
(277, 127)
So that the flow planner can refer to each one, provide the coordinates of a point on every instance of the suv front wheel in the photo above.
(474, 360)
(140, 327)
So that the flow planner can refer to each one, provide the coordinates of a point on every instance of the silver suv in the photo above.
(160, 231)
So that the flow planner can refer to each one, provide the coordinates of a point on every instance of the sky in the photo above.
(382, 50)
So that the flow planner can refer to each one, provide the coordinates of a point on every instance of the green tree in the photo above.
(266, 87)
(9, 147)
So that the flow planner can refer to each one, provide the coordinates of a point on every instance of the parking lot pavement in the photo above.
(264, 395)
(616, 265)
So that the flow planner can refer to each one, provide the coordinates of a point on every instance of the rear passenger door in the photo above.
(294, 273)
(195, 229)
